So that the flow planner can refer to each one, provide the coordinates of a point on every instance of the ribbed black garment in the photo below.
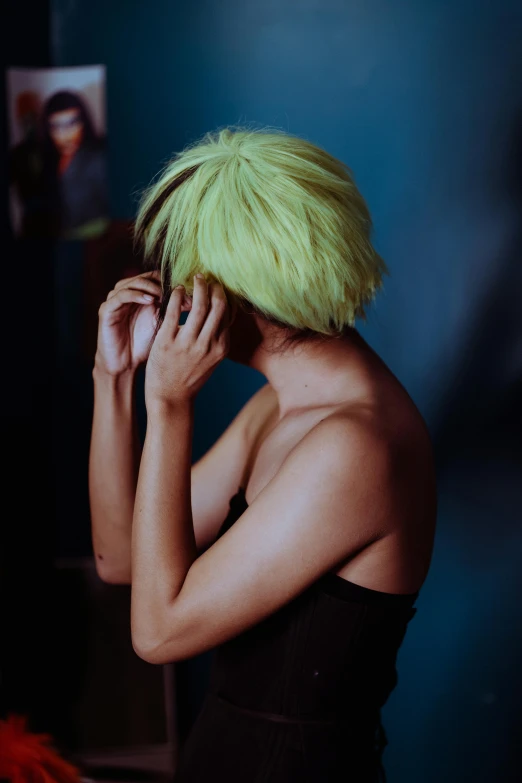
(297, 698)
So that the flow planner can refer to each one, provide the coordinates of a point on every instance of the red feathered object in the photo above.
(28, 758)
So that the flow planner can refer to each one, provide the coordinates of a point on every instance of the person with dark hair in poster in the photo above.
(74, 168)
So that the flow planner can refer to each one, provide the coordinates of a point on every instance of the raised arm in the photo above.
(116, 449)
(126, 326)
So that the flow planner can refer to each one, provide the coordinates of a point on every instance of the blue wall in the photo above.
(423, 99)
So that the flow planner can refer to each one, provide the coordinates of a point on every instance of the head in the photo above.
(66, 123)
(276, 220)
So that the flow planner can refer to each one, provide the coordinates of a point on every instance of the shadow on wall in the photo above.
(478, 447)
(481, 423)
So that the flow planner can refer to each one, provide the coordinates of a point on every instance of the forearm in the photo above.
(113, 472)
(163, 541)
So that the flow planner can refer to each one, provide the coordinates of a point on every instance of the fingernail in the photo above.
(200, 275)
(148, 297)
(178, 287)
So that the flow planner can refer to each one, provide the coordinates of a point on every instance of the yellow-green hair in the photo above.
(277, 220)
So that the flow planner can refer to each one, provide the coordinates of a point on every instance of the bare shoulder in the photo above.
(389, 433)
(343, 441)
(388, 461)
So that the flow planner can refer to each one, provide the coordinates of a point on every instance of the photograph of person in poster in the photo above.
(57, 160)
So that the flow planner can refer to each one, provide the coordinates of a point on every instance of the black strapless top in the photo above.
(297, 698)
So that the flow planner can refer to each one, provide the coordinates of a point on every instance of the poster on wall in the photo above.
(57, 167)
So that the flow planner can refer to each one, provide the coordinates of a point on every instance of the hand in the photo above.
(127, 321)
(183, 357)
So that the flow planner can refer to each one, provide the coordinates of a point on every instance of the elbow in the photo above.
(154, 644)
(155, 654)
(161, 636)
(111, 574)
(168, 651)
(147, 655)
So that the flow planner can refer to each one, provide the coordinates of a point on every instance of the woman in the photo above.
(297, 546)
(74, 165)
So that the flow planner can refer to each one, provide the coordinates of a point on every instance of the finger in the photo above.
(125, 281)
(137, 280)
(137, 284)
(125, 297)
(199, 310)
(173, 311)
(218, 316)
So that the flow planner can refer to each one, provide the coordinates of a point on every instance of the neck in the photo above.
(320, 373)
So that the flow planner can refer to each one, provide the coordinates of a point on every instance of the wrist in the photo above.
(164, 410)
(113, 380)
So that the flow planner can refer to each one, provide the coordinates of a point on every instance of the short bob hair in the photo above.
(275, 219)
